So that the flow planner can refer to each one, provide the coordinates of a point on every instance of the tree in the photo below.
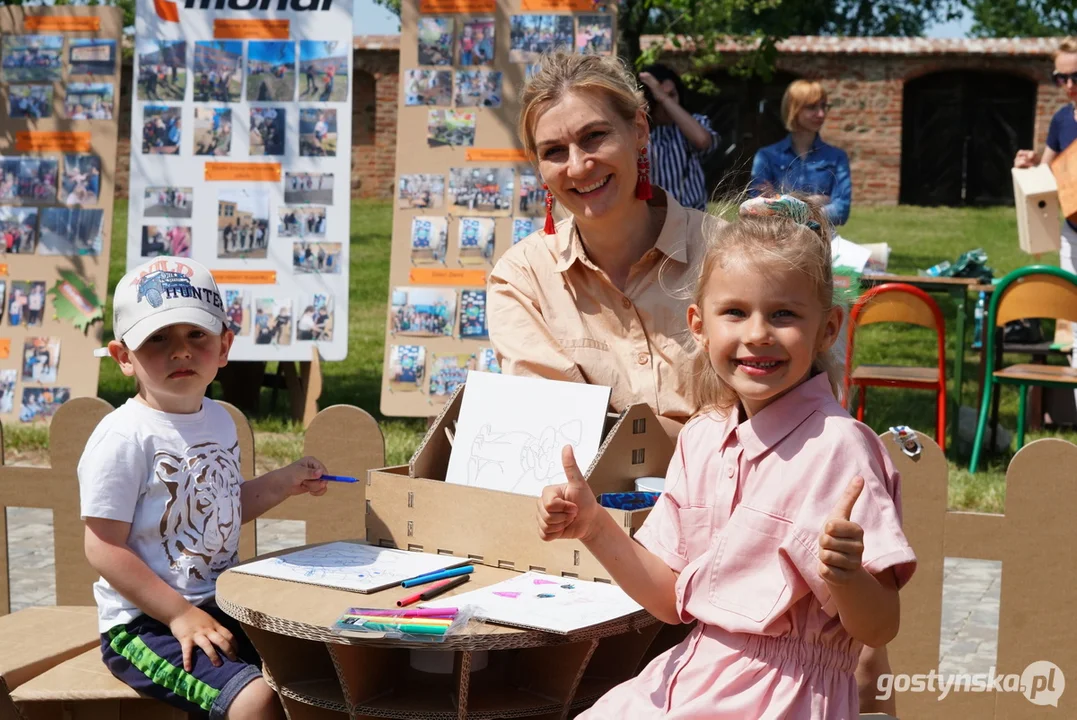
(1023, 18)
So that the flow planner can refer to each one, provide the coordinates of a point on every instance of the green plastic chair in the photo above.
(1037, 291)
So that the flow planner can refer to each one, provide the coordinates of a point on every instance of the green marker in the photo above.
(410, 629)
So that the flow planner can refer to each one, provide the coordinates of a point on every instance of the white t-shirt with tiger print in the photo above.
(176, 479)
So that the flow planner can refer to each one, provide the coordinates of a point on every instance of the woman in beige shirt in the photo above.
(600, 299)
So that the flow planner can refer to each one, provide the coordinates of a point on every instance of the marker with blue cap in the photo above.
(338, 478)
(440, 575)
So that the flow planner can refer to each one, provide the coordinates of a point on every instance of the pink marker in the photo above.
(413, 612)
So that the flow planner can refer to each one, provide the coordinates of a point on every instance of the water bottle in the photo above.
(978, 328)
(935, 270)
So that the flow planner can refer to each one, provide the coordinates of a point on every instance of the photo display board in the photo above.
(465, 192)
(59, 81)
(241, 160)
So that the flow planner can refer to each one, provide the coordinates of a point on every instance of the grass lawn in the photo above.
(919, 238)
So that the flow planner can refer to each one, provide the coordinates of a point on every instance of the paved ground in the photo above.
(970, 603)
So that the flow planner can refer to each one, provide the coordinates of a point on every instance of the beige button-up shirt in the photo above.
(554, 314)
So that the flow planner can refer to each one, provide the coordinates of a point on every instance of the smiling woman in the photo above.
(594, 299)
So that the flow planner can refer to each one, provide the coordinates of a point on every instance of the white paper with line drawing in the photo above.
(511, 431)
(545, 602)
(350, 566)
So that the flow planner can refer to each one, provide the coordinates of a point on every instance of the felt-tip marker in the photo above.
(338, 478)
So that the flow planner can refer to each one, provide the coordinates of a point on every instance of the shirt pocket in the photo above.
(746, 576)
(595, 361)
(571, 344)
(697, 529)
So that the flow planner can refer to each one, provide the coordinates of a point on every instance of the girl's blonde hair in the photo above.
(561, 73)
(768, 242)
(798, 95)
(1068, 45)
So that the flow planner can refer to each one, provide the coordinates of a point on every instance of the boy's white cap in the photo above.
(164, 291)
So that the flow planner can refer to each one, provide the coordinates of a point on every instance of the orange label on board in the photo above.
(5, 348)
(244, 172)
(495, 155)
(254, 29)
(245, 277)
(3, 269)
(61, 23)
(573, 5)
(457, 6)
(35, 141)
(442, 276)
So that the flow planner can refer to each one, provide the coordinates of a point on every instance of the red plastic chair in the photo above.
(898, 303)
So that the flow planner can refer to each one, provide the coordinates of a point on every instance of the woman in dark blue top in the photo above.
(802, 162)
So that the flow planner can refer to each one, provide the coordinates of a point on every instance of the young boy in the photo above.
(163, 500)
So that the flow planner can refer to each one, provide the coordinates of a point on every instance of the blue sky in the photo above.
(372, 19)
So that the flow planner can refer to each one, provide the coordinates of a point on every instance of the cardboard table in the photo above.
(320, 674)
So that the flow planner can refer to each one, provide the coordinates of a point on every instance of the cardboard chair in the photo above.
(51, 665)
(1036, 198)
(1064, 168)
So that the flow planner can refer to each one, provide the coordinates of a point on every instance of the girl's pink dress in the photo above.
(740, 521)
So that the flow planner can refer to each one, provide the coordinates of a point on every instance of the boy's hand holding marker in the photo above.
(568, 512)
(304, 476)
(841, 544)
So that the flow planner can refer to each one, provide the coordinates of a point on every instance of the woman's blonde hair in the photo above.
(1068, 45)
(560, 73)
(765, 242)
(799, 94)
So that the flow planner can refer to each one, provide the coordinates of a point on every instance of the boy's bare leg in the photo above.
(873, 663)
(256, 701)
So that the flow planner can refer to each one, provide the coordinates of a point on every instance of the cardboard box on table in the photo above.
(1036, 197)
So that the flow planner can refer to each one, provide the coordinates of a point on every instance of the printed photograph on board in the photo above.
(304, 188)
(30, 101)
(40, 359)
(31, 58)
(39, 403)
(88, 101)
(315, 318)
(594, 34)
(218, 70)
(429, 240)
(450, 127)
(212, 131)
(267, 130)
(317, 132)
(270, 71)
(522, 227)
(324, 67)
(447, 372)
(8, 379)
(26, 303)
(273, 321)
(428, 87)
(532, 35)
(478, 88)
(242, 223)
(81, 181)
(167, 202)
(476, 241)
(425, 312)
(30, 179)
(160, 240)
(476, 46)
(407, 367)
(481, 190)
(71, 231)
(531, 196)
(162, 69)
(487, 360)
(473, 314)
(19, 226)
(316, 257)
(237, 308)
(162, 130)
(91, 56)
(421, 191)
(304, 221)
(435, 40)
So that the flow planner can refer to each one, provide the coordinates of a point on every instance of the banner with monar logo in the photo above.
(241, 160)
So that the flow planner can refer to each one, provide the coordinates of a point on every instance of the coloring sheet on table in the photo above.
(545, 602)
(350, 566)
(511, 431)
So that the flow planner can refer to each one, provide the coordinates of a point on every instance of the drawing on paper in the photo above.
(519, 461)
(349, 566)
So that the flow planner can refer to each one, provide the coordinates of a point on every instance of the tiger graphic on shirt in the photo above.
(201, 519)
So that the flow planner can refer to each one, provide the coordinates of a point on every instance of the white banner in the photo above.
(241, 160)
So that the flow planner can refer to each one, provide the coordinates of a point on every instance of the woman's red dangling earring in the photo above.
(549, 229)
(643, 181)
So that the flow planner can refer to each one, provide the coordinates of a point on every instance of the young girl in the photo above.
(788, 566)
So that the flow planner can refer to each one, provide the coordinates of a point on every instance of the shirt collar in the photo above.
(776, 421)
(672, 240)
(786, 145)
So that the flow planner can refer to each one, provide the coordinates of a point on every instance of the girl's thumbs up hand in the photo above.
(841, 544)
(568, 511)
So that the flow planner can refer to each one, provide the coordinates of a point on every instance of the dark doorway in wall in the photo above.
(960, 132)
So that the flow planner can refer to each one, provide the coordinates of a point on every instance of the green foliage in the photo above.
(1023, 18)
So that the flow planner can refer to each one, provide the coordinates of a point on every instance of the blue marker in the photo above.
(440, 575)
(338, 478)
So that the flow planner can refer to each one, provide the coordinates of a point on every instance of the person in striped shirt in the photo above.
(679, 141)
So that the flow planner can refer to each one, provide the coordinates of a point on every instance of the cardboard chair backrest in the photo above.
(345, 438)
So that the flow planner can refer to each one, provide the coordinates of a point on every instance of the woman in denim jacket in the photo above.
(802, 162)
